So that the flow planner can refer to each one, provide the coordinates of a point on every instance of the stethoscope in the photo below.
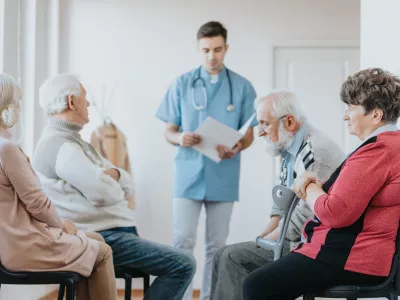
(230, 107)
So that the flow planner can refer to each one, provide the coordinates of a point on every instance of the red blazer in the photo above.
(357, 220)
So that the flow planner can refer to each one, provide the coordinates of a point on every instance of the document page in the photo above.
(215, 133)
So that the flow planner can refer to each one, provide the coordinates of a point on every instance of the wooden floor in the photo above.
(137, 295)
(140, 298)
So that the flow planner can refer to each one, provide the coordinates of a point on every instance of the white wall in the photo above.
(144, 45)
(31, 64)
(380, 29)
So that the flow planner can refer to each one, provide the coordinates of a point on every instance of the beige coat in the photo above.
(31, 238)
(110, 142)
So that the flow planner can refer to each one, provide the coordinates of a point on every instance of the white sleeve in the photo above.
(126, 180)
(79, 171)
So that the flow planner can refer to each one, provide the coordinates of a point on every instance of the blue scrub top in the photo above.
(196, 176)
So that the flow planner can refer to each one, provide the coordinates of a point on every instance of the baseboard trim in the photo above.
(135, 293)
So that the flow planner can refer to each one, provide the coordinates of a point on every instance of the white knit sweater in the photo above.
(72, 175)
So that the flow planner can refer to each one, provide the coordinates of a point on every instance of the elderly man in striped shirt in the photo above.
(283, 125)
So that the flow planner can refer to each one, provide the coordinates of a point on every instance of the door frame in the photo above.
(301, 44)
(306, 44)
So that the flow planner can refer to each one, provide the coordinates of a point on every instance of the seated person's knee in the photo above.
(95, 236)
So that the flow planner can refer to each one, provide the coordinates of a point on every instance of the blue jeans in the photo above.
(174, 268)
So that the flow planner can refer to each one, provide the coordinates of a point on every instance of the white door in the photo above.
(315, 75)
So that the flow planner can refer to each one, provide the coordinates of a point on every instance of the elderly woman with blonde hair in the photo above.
(33, 237)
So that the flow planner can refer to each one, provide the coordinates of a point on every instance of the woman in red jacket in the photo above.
(357, 211)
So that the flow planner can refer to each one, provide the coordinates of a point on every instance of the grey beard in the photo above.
(285, 140)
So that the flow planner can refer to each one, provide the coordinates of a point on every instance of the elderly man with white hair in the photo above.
(303, 148)
(90, 191)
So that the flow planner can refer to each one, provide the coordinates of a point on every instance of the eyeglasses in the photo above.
(266, 127)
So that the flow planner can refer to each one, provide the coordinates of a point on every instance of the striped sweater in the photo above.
(319, 154)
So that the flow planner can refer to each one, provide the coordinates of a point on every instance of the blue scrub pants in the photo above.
(186, 218)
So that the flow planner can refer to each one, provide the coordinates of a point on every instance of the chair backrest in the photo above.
(2, 270)
(5, 273)
(395, 272)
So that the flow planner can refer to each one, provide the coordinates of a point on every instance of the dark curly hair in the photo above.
(372, 89)
(212, 29)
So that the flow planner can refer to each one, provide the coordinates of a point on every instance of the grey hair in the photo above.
(54, 92)
(10, 95)
(374, 88)
(284, 103)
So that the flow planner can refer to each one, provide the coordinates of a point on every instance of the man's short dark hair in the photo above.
(372, 89)
(212, 29)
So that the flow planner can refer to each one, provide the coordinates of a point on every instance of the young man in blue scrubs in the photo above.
(216, 91)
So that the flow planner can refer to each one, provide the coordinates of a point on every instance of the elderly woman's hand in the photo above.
(69, 227)
(300, 183)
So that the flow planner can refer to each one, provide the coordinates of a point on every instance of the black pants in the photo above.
(294, 274)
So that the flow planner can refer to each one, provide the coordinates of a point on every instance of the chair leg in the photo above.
(351, 298)
(146, 283)
(71, 291)
(308, 297)
(61, 291)
(128, 287)
(392, 297)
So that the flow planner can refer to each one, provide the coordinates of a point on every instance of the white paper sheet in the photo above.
(246, 125)
(215, 133)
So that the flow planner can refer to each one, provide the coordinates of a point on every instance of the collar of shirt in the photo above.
(382, 129)
(290, 154)
(298, 141)
(207, 76)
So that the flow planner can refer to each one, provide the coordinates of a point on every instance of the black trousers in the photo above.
(294, 274)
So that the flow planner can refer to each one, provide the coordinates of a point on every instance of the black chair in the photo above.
(127, 274)
(67, 279)
(389, 289)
